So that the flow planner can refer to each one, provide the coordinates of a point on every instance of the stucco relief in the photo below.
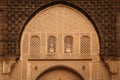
(35, 45)
(60, 75)
(85, 44)
(8, 65)
(62, 21)
(51, 44)
(68, 44)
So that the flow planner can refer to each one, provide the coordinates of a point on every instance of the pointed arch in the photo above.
(34, 45)
(50, 21)
(51, 43)
(66, 4)
(68, 44)
(85, 44)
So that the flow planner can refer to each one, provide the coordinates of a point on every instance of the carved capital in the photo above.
(8, 65)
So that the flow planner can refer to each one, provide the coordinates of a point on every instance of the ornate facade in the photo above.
(59, 39)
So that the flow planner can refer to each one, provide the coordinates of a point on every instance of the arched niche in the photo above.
(85, 45)
(34, 45)
(68, 43)
(51, 44)
(62, 19)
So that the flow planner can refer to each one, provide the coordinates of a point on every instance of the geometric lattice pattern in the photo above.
(35, 45)
(2, 32)
(19, 13)
(85, 45)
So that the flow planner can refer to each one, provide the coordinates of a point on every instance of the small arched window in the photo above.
(85, 44)
(68, 44)
(51, 44)
(34, 45)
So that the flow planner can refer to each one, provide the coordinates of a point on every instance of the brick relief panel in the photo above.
(2, 32)
(100, 11)
(117, 37)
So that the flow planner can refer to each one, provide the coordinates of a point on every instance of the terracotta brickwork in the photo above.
(3, 25)
(101, 13)
(77, 39)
